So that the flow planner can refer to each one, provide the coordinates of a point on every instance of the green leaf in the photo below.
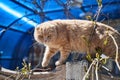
(99, 2)
(97, 55)
(88, 56)
(105, 41)
(89, 18)
(104, 61)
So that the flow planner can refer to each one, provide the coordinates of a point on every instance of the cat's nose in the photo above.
(45, 40)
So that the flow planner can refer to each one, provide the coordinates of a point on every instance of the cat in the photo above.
(75, 35)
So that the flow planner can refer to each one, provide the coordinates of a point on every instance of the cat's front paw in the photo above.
(58, 63)
(44, 64)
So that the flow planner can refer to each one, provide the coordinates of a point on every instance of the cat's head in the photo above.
(45, 33)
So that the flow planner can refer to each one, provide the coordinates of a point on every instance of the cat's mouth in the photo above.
(45, 42)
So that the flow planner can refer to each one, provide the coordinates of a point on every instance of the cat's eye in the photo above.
(48, 36)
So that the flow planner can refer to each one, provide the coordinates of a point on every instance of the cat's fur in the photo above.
(74, 35)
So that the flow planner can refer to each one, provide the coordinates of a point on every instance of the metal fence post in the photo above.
(76, 70)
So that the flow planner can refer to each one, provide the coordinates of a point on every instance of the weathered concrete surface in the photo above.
(58, 74)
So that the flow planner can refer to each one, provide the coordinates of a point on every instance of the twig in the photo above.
(7, 78)
(116, 58)
(95, 26)
(96, 69)
(18, 76)
(98, 13)
(93, 73)
(84, 78)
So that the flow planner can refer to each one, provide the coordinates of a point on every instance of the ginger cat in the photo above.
(74, 35)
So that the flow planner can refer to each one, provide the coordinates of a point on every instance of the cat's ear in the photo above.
(37, 28)
(53, 28)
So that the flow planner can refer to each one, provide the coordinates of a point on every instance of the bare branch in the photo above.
(87, 73)
(116, 58)
(96, 69)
